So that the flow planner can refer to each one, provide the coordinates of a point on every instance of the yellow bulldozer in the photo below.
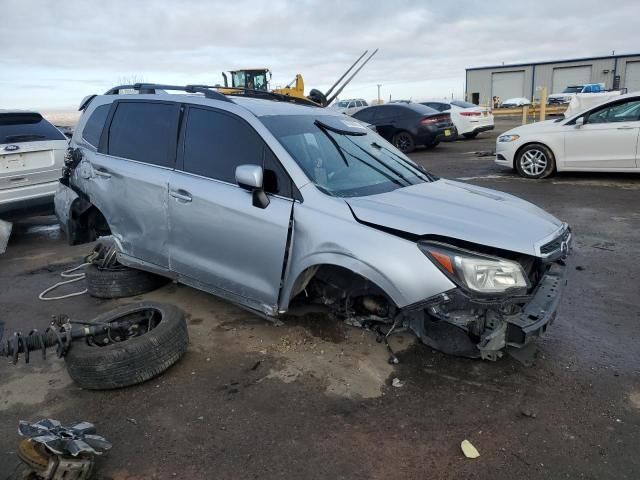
(256, 80)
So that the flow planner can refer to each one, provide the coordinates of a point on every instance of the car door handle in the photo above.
(626, 128)
(101, 172)
(181, 195)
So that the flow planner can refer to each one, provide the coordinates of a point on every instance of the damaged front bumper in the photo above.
(458, 324)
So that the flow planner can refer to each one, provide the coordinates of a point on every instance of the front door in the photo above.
(218, 240)
(608, 138)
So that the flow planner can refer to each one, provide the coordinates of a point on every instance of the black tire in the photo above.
(404, 142)
(470, 135)
(120, 282)
(131, 361)
(535, 161)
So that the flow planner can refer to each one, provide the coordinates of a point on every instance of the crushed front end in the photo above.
(470, 322)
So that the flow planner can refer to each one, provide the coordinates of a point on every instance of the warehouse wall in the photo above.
(480, 80)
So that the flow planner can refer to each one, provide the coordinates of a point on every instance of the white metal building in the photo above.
(522, 80)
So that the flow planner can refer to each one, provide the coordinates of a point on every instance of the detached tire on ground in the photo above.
(120, 282)
(112, 360)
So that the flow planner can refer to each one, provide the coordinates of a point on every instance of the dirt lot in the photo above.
(313, 399)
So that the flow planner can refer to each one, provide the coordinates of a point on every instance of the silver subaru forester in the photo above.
(279, 206)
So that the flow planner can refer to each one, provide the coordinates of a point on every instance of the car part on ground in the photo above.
(146, 338)
(5, 233)
(52, 451)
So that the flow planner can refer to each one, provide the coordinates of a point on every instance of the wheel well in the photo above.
(528, 144)
(86, 223)
(333, 284)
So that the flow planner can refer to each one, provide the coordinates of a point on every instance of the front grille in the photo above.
(555, 244)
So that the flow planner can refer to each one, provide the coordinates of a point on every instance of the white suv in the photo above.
(31, 160)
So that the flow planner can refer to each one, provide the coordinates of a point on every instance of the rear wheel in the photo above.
(535, 161)
(433, 144)
(404, 142)
(470, 135)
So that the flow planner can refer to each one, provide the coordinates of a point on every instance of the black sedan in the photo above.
(407, 125)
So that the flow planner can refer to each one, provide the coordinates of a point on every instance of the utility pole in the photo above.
(379, 85)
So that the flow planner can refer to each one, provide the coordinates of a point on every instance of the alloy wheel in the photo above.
(534, 162)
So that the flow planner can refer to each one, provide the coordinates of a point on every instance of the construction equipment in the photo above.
(257, 80)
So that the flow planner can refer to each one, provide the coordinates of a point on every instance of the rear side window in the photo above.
(26, 127)
(94, 126)
(216, 143)
(145, 132)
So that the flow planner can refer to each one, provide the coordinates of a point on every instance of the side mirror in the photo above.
(579, 122)
(251, 177)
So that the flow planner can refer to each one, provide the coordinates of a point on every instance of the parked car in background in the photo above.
(350, 106)
(31, 160)
(407, 125)
(347, 223)
(515, 102)
(571, 91)
(469, 119)
(601, 139)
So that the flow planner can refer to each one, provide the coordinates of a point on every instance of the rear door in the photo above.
(31, 150)
(608, 138)
(129, 176)
(218, 239)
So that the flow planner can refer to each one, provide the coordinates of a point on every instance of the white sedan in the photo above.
(515, 102)
(468, 118)
(603, 138)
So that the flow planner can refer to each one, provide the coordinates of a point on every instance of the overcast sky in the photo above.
(52, 53)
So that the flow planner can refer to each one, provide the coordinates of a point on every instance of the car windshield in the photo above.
(573, 89)
(461, 104)
(342, 157)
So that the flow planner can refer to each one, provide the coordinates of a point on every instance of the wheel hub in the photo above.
(534, 162)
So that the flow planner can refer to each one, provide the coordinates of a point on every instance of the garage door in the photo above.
(632, 77)
(565, 76)
(507, 85)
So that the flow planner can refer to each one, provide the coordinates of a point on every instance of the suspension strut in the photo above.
(60, 333)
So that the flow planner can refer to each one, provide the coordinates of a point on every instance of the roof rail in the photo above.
(150, 88)
(266, 94)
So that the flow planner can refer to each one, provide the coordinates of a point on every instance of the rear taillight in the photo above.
(470, 114)
(435, 119)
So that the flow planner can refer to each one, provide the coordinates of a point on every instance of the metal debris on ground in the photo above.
(397, 383)
(52, 451)
(5, 233)
(469, 450)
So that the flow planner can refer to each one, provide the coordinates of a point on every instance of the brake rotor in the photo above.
(34, 455)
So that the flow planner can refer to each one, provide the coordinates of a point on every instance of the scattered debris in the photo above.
(5, 233)
(132, 420)
(469, 450)
(397, 383)
(580, 268)
(53, 451)
(256, 365)
(529, 414)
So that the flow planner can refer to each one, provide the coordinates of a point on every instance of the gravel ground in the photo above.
(313, 399)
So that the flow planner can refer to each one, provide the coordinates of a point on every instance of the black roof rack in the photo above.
(150, 88)
(210, 91)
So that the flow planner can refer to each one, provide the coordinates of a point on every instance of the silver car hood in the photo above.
(460, 211)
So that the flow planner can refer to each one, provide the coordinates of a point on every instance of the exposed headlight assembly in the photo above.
(508, 138)
(476, 272)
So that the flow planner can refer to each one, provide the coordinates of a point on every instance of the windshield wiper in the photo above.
(382, 163)
(333, 140)
(404, 163)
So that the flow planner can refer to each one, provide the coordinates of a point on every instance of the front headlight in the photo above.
(477, 272)
(508, 138)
